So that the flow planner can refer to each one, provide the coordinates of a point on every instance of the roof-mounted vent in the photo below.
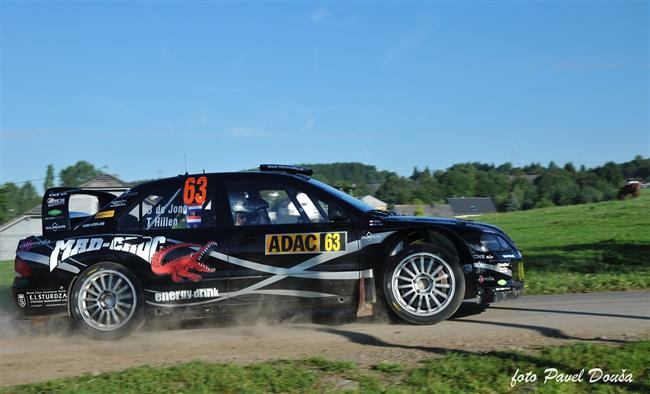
(286, 169)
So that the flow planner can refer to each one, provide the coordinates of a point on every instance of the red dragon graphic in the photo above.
(179, 267)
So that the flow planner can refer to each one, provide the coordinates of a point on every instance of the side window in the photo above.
(273, 203)
(174, 206)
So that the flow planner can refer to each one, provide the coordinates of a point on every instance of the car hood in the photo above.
(444, 221)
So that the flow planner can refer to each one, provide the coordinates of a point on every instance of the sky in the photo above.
(141, 88)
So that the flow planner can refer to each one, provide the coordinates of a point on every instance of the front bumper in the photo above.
(496, 278)
(489, 295)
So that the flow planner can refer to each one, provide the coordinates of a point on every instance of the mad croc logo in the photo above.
(141, 247)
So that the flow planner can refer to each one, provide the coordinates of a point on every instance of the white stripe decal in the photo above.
(299, 270)
(40, 259)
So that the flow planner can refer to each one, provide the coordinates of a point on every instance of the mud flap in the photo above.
(367, 296)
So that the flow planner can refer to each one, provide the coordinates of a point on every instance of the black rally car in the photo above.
(214, 243)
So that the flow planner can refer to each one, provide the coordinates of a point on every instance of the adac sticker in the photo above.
(305, 243)
(105, 214)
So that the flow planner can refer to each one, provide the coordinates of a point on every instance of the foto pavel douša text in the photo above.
(593, 375)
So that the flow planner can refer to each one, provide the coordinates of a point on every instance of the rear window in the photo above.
(176, 205)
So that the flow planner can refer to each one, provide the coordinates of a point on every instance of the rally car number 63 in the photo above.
(216, 243)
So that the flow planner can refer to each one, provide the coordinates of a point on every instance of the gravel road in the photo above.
(30, 354)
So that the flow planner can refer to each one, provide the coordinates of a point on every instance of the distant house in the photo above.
(471, 206)
(437, 210)
(30, 222)
(374, 202)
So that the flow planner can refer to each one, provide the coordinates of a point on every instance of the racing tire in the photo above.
(107, 301)
(423, 284)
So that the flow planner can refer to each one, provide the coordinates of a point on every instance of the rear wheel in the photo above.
(107, 301)
(424, 284)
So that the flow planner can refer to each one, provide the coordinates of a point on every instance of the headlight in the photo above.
(489, 243)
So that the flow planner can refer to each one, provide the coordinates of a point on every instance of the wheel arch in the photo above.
(439, 236)
(125, 260)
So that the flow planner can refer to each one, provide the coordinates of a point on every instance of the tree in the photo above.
(28, 197)
(396, 190)
(49, 177)
(611, 173)
(76, 174)
(10, 202)
(525, 192)
(458, 182)
(569, 167)
(513, 203)
(557, 186)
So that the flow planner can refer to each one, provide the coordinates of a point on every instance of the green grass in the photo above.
(582, 248)
(6, 279)
(455, 371)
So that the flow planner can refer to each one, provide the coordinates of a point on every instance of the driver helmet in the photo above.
(247, 206)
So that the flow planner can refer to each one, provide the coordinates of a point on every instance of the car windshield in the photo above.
(343, 196)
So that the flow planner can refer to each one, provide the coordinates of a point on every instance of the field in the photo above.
(456, 371)
(582, 248)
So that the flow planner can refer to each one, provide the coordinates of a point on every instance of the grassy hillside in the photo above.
(579, 248)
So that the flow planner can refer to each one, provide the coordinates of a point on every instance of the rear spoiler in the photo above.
(55, 207)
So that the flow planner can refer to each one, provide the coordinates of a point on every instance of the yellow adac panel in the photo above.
(305, 243)
(105, 214)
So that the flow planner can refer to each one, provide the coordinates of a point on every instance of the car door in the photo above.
(183, 218)
(283, 245)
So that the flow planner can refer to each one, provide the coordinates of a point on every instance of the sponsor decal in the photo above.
(483, 279)
(141, 247)
(179, 267)
(21, 300)
(305, 243)
(47, 298)
(54, 212)
(483, 257)
(105, 214)
(375, 223)
(117, 203)
(180, 295)
(54, 202)
(508, 256)
(502, 282)
(368, 235)
(93, 224)
(55, 227)
(27, 245)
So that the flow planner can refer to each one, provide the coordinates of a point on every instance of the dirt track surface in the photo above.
(34, 354)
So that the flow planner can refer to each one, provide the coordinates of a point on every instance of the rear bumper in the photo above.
(33, 300)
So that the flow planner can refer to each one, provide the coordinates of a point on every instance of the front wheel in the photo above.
(106, 301)
(424, 284)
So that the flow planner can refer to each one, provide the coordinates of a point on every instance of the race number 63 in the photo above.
(332, 242)
(196, 190)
